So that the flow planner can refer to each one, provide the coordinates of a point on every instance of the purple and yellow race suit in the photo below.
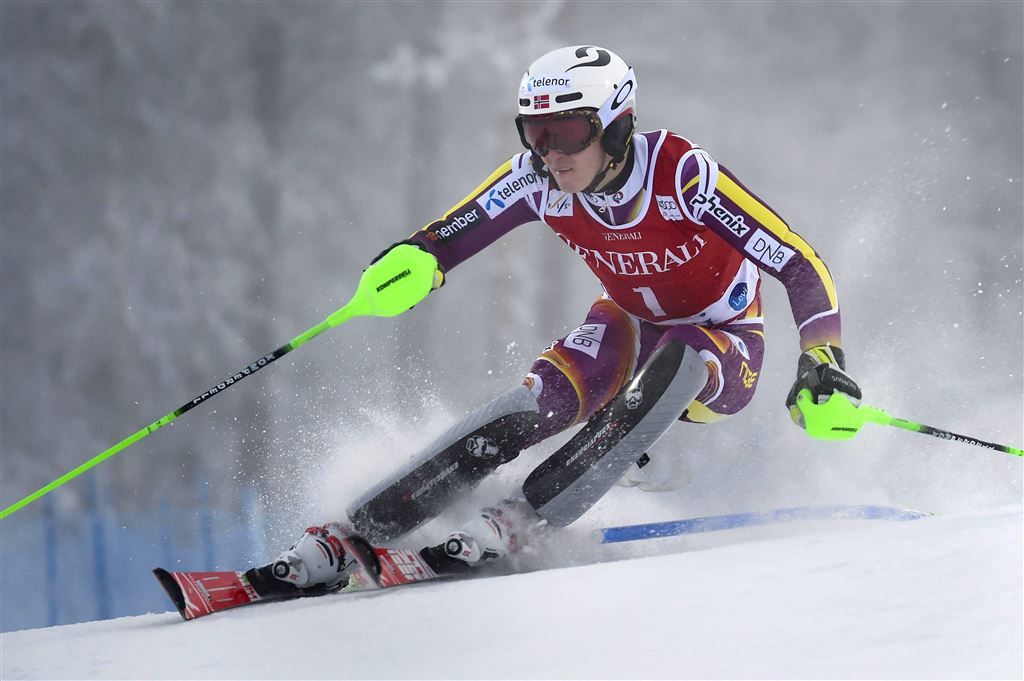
(677, 249)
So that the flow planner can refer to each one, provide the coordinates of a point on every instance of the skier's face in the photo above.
(575, 172)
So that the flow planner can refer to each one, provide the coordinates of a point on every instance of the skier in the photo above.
(677, 243)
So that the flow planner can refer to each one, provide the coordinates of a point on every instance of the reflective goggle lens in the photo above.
(568, 134)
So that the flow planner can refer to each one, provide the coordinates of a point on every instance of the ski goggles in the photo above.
(569, 132)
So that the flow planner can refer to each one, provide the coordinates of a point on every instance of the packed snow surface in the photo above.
(939, 597)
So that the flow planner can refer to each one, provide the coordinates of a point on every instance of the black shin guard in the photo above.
(459, 459)
(572, 479)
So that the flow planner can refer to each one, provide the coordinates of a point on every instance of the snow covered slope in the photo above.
(933, 598)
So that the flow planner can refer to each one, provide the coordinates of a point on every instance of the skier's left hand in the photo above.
(822, 371)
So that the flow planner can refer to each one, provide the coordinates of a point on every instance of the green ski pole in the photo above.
(840, 419)
(389, 287)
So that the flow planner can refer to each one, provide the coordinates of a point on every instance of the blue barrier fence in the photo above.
(95, 567)
(732, 521)
(62, 568)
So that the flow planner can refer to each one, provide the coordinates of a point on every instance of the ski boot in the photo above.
(496, 532)
(314, 565)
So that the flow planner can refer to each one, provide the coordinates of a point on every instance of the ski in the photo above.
(387, 566)
(197, 594)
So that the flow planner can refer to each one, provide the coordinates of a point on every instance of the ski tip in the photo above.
(173, 589)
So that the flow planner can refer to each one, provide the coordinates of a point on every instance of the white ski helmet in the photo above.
(582, 77)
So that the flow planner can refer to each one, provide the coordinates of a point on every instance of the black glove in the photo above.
(822, 371)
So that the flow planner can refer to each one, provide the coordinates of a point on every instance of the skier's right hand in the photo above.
(396, 281)
(438, 272)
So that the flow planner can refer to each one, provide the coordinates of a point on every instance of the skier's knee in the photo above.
(572, 479)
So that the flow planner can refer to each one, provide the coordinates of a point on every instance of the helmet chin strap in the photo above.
(599, 178)
(612, 164)
(542, 170)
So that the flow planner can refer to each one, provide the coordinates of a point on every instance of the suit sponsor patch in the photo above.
(767, 250)
(559, 204)
(508, 190)
(703, 203)
(587, 339)
(453, 225)
(669, 208)
(738, 343)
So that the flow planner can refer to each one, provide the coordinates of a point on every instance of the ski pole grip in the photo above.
(399, 280)
(840, 419)
(835, 419)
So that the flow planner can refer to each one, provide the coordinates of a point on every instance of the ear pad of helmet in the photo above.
(617, 136)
